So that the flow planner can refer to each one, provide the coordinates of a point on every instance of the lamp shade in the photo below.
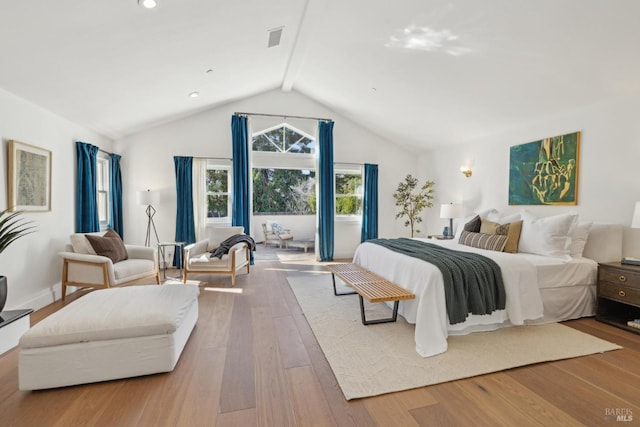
(148, 197)
(450, 211)
(635, 221)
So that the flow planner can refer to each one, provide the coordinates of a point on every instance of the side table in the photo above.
(618, 295)
(13, 324)
(179, 246)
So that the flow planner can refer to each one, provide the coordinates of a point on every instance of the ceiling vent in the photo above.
(275, 34)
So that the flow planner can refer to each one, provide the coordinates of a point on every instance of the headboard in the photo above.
(604, 243)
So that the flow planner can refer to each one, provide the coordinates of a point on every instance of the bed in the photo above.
(539, 289)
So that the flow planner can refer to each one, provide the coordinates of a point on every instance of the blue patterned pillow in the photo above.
(276, 227)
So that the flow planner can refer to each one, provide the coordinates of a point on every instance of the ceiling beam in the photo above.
(310, 19)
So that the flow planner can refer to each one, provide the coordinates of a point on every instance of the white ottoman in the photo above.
(109, 334)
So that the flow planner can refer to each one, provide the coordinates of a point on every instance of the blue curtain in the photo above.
(241, 214)
(185, 223)
(370, 203)
(87, 219)
(115, 190)
(326, 200)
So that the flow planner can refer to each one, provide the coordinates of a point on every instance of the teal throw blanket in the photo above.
(472, 282)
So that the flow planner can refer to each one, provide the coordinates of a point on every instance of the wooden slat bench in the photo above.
(370, 286)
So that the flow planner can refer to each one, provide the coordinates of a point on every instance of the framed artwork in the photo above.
(545, 172)
(29, 177)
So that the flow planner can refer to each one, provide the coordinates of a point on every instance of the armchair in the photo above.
(273, 232)
(198, 260)
(83, 267)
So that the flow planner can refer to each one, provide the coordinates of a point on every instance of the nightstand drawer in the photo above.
(620, 277)
(620, 293)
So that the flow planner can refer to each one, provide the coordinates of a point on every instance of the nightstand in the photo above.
(618, 294)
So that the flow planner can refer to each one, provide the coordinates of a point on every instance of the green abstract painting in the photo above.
(545, 172)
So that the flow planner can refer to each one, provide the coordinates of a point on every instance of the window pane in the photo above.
(267, 142)
(284, 191)
(103, 209)
(217, 206)
(283, 140)
(348, 194)
(217, 181)
(348, 205)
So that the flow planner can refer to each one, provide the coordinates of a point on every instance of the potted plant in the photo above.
(412, 203)
(12, 227)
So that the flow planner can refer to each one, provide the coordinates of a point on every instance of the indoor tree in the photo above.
(412, 202)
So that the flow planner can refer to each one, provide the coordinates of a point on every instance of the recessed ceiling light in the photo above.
(149, 4)
(194, 94)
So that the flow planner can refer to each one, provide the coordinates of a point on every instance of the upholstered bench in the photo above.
(109, 334)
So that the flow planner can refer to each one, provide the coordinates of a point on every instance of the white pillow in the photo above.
(579, 236)
(547, 236)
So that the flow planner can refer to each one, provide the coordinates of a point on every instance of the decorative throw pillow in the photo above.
(276, 227)
(473, 225)
(511, 230)
(492, 242)
(109, 245)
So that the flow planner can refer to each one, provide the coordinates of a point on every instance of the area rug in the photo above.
(378, 359)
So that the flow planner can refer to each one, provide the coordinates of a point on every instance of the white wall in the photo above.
(31, 264)
(608, 176)
(147, 161)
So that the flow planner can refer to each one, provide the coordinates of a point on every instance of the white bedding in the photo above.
(522, 276)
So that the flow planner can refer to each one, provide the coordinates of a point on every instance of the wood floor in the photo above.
(253, 360)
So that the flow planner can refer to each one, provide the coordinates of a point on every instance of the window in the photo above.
(283, 138)
(102, 186)
(348, 190)
(218, 191)
(284, 191)
(284, 178)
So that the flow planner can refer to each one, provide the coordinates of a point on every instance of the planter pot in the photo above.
(3, 291)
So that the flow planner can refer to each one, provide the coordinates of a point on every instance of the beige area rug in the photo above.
(378, 359)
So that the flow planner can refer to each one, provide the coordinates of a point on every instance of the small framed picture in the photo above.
(29, 177)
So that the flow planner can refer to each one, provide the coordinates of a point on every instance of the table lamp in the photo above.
(635, 223)
(450, 211)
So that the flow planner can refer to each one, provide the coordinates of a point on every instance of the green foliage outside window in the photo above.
(217, 193)
(348, 197)
(284, 191)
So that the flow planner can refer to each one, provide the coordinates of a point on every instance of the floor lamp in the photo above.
(149, 198)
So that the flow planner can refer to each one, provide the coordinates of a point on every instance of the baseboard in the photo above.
(43, 298)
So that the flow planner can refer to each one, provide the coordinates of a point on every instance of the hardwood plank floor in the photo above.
(253, 360)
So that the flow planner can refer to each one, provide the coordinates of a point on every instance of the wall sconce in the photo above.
(466, 170)
(148, 4)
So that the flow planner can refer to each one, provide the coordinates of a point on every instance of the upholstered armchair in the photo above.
(83, 267)
(273, 232)
(198, 260)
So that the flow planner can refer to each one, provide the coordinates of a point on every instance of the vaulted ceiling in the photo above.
(417, 72)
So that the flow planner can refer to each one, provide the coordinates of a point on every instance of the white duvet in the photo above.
(428, 311)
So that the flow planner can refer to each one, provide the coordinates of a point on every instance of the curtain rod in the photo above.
(104, 151)
(284, 116)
